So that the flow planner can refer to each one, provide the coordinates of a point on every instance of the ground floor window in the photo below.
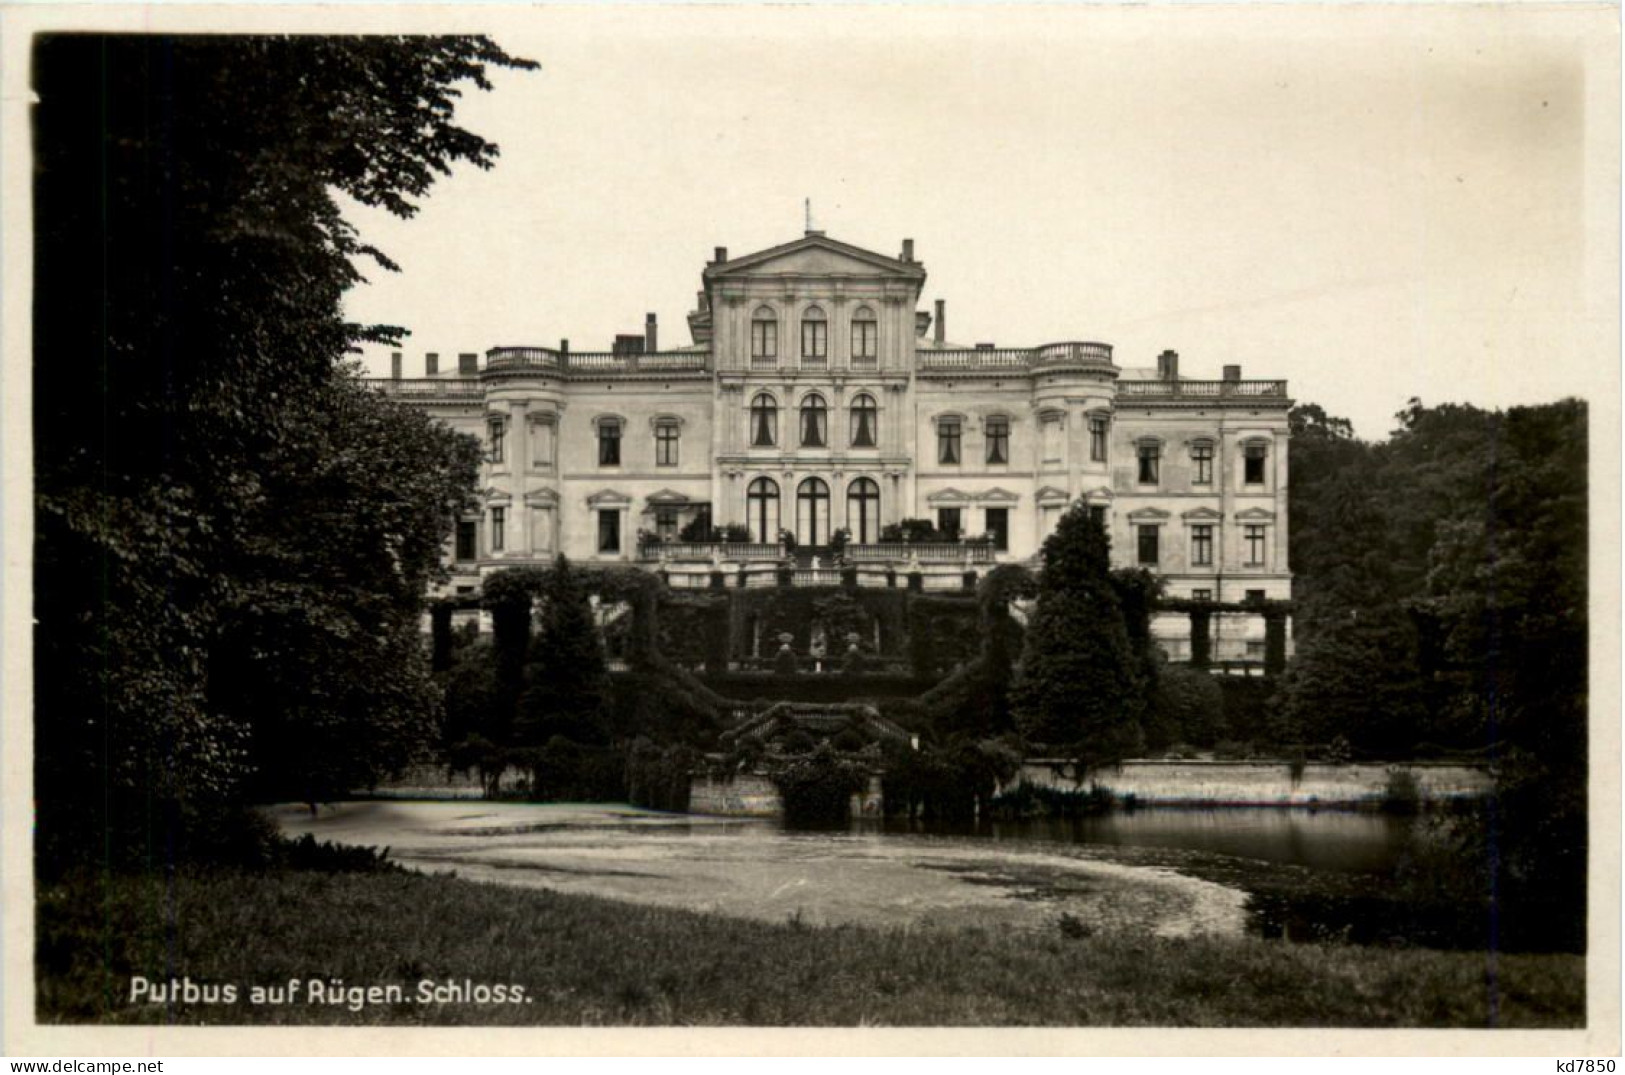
(609, 530)
(467, 539)
(1148, 544)
(1202, 546)
(1253, 536)
(666, 523)
(948, 523)
(998, 524)
(499, 528)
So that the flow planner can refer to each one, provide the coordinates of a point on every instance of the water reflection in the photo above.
(1345, 841)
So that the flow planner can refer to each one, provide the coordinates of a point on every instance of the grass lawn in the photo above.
(587, 961)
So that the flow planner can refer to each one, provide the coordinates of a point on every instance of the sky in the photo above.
(1373, 203)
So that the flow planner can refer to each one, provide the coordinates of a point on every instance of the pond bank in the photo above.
(752, 869)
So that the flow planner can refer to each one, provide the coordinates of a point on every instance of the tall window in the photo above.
(497, 436)
(764, 337)
(998, 440)
(812, 512)
(863, 510)
(764, 422)
(1148, 544)
(541, 444)
(1253, 538)
(1253, 457)
(666, 523)
(665, 443)
(865, 422)
(1202, 546)
(998, 524)
(948, 441)
(814, 337)
(865, 337)
(1202, 461)
(609, 442)
(762, 510)
(1098, 428)
(1150, 463)
(948, 523)
(1097, 512)
(814, 422)
(1051, 440)
(499, 529)
(467, 539)
(609, 530)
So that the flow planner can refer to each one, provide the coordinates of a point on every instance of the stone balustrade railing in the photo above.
(429, 387)
(1201, 389)
(518, 359)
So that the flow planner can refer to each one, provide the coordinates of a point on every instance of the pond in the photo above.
(1164, 872)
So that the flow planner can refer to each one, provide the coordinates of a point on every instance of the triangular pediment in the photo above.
(815, 255)
(1255, 515)
(948, 496)
(668, 496)
(999, 496)
(1050, 494)
(1201, 515)
(1147, 514)
(608, 497)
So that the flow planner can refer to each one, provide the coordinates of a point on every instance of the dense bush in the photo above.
(816, 784)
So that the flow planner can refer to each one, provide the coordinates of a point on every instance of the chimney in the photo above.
(922, 322)
(908, 250)
(651, 334)
(431, 364)
(942, 321)
(468, 364)
(720, 255)
(1232, 373)
(394, 365)
(1168, 366)
(564, 350)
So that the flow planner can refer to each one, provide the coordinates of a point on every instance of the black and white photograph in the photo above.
(1076, 519)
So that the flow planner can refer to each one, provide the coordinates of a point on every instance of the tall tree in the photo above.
(1079, 685)
(566, 677)
(192, 529)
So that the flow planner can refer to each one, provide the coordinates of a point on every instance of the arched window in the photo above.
(814, 422)
(863, 510)
(764, 337)
(764, 421)
(762, 510)
(814, 337)
(812, 512)
(865, 338)
(865, 422)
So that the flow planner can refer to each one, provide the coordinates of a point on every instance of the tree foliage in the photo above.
(1080, 684)
(1442, 601)
(232, 536)
(565, 677)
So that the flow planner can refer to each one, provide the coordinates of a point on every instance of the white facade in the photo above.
(816, 395)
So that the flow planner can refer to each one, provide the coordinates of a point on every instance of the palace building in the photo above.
(818, 401)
